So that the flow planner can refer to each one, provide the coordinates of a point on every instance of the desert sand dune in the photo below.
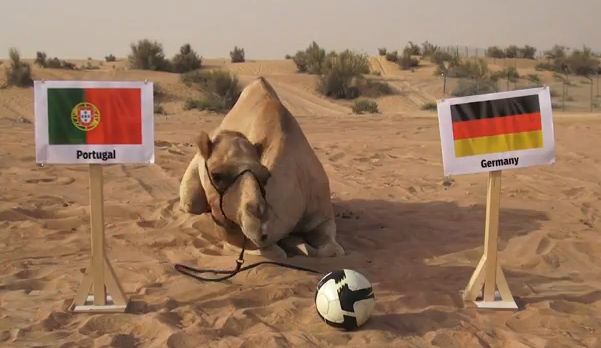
(414, 235)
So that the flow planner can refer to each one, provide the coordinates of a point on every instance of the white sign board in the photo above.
(496, 131)
(102, 122)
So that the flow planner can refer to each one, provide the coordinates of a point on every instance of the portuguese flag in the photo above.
(94, 116)
(500, 125)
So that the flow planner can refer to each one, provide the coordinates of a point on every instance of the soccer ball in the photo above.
(344, 299)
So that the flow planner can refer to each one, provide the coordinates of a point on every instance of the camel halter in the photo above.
(193, 272)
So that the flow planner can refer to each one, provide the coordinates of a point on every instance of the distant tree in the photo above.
(186, 60)
(583, 62)
(382, 51)
(527, 52)
(110, 58)
(511, 51)
(237, 55)
(40, 59)
(495, 52)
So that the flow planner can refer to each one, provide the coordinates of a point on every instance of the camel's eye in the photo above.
(218, 177)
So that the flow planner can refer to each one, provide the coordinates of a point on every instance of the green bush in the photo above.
(311, 60)
(509, 73)
(429, 49)
(469, 69)
(40, 59)
(186, 60)
(220, 88)
(19, 73)
(382, 51)
(237, 55)
(56, 63)
(288, 56)
(365, 106)
(430, 106)
(472, 87)
(148, 55)
(342, 73)
(110, 58)
(392, 56)
(374, 89)
(412, 49)
(407, 62)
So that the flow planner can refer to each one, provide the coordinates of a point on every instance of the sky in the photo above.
(270, 29)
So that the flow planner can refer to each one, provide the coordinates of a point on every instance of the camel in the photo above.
(257, 174)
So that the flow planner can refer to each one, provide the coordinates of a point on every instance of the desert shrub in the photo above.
(534, 78)
(474, 86)
(56, 63)
(159, 109)
(429, 49)
(382, 51)
(407, 62)
(221, 90)
(110, 58)
(186, 60)
(90, 66)
(300, 59)
(288, 56)
(412, 49)
(18, 73)
(470, 69)
(311, 60)
(365, 106)
(342, 73)
(148, 55)
(544, 66)
(237, 55)
(374, 89)
(510, 73)
(429, 106)
(495, 52)
(40, 59)
(392, 56)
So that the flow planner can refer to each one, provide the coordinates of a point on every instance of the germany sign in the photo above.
(496, 131)
(94, 122)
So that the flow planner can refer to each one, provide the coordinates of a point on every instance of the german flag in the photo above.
(494, 126)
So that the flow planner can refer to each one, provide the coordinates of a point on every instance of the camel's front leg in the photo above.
(192, 197)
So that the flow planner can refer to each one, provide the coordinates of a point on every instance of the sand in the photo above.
(414, 235)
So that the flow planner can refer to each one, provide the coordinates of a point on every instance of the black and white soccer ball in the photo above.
(344, 299)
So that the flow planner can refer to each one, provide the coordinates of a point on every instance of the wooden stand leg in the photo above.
(488, 275)
(99, 275)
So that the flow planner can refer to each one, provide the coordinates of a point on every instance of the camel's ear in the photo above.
(204, 145)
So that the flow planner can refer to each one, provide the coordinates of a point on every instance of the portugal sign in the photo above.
(94, 122)
(496, 131)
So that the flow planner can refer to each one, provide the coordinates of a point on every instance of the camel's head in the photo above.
(234, 180)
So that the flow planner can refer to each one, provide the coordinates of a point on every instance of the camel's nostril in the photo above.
(263, 237)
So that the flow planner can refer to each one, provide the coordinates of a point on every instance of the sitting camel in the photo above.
(258, 175)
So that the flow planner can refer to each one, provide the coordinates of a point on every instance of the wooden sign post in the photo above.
(99, 275)
(95, 123)
(488, 276)
(490, 133)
